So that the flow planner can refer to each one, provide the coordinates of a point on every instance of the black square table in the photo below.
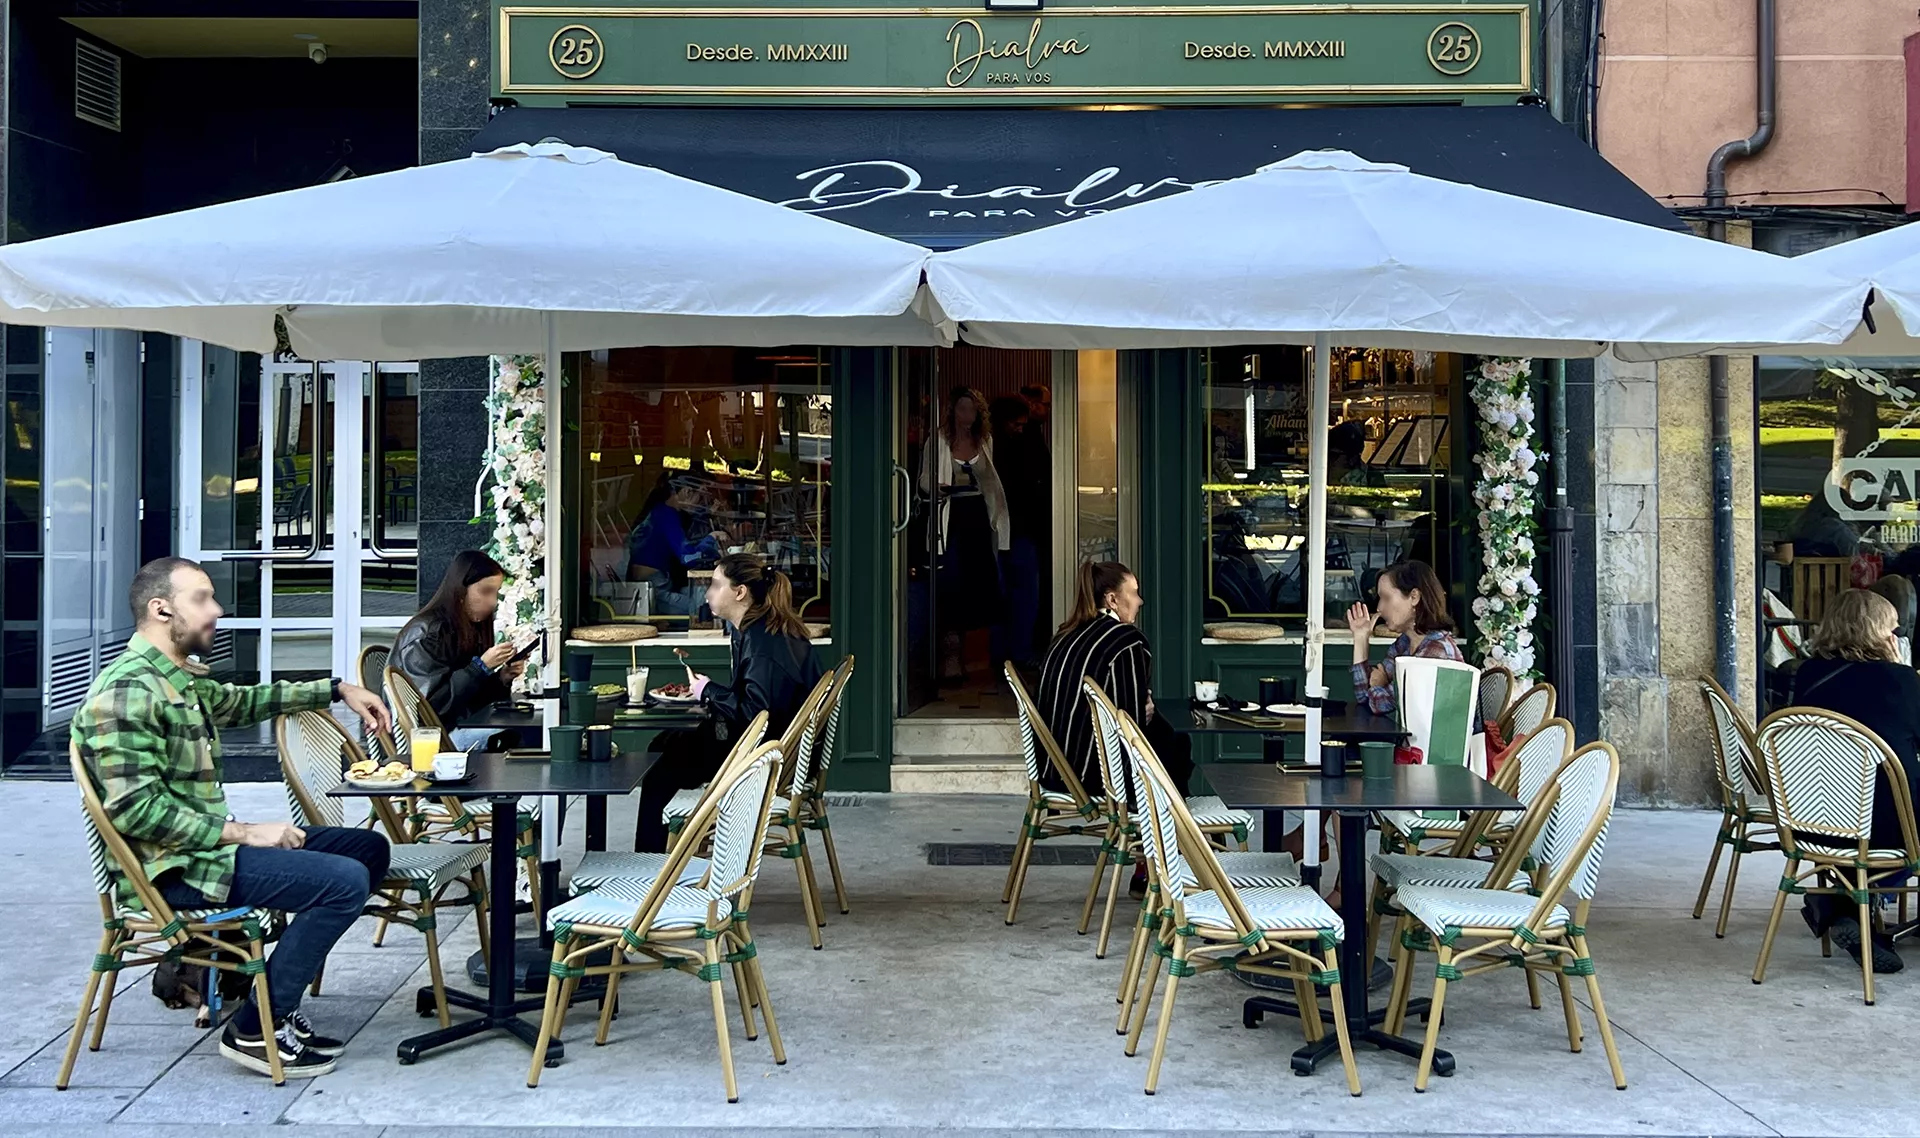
(503, 781)
(1262, 786)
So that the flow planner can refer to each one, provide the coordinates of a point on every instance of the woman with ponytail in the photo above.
(1102, 639)
(774, 670)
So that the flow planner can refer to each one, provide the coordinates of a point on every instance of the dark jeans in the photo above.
(688, 759)
(1020, 573)
(323, 885)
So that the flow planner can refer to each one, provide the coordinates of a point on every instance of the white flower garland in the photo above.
(517, 466)
(1509, 597)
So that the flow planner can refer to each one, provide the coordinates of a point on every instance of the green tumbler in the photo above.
(1376, 760)
(563, 742)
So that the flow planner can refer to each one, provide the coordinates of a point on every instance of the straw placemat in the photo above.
(614, 633)
(1244, 632)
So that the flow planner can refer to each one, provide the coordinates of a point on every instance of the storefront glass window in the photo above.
(691, 453)
(1392, 443)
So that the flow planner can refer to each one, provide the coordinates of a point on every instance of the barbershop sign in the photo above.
(868, 54)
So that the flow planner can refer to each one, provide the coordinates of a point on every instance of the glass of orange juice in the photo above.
(425, 748)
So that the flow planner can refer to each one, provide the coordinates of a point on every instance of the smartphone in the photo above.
(526, 650)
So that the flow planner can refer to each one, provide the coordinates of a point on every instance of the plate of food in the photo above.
(673, 694)
(369, 775)
(609, 691)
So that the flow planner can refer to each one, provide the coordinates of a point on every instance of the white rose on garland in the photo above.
(1506, 605)
(517, 464)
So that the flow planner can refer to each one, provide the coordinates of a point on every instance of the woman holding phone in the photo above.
(447, 649)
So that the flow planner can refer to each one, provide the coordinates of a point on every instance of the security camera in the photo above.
(317, 52)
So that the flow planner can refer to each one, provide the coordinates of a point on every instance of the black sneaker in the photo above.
(311, 1039)
(1846, 933)
(296, 1060)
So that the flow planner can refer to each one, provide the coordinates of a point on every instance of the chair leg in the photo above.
(548, 1027)
(1022, 857)
(1166, 1014)
(1093, 887)
(263, 1000)
(608, 1003)
(809, 881)
(1713, 863)
(107, 989)
(1773, 922)
(1533, 989)
(1106, 921)
(86, 1012)
(1433, 1019)
(319, 974)
(1019, 846)
(744, 991)
(380, 933)
(1340, 1032)
(1726, 897)
(533, 879)
(439, 981)
(1574, 1039)
(807, 897)
(480, 920)
(1866, 934)
(1600, 1011)
(833, 863)
(714, 971)
(1130, 975)
(1402, 988)
(759, 980)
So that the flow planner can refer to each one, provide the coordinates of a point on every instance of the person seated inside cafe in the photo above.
(1852, 668)
(659, 552)
(775, 669)
(1102, 640)
(448, 648)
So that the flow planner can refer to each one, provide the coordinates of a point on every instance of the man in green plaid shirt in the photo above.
(149, 734)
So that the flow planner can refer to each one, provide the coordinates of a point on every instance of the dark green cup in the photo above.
(564, 742)
(1376, 760)
(581, 706)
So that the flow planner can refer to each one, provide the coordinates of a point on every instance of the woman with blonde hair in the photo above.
(975, 527)
(1853, 669)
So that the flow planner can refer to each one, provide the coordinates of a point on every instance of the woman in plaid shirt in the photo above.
(1413, 606)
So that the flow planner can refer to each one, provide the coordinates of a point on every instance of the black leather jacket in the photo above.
(454, 688)
(771, 673)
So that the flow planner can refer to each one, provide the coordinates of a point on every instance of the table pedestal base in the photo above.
(505, 1020)
(1309, 1057)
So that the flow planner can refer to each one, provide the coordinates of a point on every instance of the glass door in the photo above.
(298, 495)
(916, 540)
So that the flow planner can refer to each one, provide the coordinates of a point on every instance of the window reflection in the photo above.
(1390, 448)
(692, 453)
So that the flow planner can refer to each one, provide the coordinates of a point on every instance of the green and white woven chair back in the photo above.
(1162, 835)
(411, 712)
(1729, 743)
(97, 855)
(739, 826)
(373, 667)
(313, 747)
(1584, 792)
(1539, 755)
(1115, 771)
(823, 755)
(1496, 689)
(1436, 706)
(1534, 707)
(805, 753)
(1822, 768)
(1029, 737)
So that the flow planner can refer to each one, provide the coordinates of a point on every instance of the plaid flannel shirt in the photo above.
(148, 733)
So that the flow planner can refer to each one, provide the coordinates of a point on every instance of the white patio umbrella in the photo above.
(1326, 248)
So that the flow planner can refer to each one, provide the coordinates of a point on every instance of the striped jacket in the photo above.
(1116, 655)
(149, 735)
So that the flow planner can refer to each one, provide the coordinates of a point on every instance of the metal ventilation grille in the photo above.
(222, 649)
(110, 651)
(96, 84)
(68, 679)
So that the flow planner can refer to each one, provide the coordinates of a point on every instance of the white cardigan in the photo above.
(936, 470)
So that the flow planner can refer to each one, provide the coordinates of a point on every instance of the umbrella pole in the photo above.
(1319, 411)
(550, 570)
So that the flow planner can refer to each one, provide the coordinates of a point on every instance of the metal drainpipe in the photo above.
(1726, 633)
(1560, 543)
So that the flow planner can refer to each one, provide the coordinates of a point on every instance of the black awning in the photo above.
(945, 177)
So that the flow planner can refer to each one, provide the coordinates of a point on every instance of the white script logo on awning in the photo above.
(1094, 193)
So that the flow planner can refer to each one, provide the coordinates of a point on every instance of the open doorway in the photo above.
(1005, 501)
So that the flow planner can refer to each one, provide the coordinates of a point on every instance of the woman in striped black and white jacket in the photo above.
(1102, 639)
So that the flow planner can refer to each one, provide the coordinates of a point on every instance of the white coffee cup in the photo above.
(450, 764)
(1206, 691)
(637, 685)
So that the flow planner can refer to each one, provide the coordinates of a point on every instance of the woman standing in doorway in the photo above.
(974, 525)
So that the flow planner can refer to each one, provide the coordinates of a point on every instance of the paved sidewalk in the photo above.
(925, 1010)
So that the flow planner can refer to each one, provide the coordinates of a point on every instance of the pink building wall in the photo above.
(1677, 80)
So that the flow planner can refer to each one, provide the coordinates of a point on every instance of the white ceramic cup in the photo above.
(450, 764)
(636, 685)
(1206, 691)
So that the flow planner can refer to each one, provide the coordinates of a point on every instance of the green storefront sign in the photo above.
(1103, 54)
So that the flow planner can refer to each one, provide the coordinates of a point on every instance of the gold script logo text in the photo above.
(971, 46)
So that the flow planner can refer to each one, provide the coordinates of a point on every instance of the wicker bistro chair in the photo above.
(788, 831)
(1244, 870)
(1529, 710)
(1436, 705)
(606, 867)
(1496, 692)
(1746, 819)
(666, 925)
(148, 931)
(370, 671)
(1821, 770)
(808, 797)
(1535, 763)
(314, 750)
(1476, 930)
(1212, 924)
